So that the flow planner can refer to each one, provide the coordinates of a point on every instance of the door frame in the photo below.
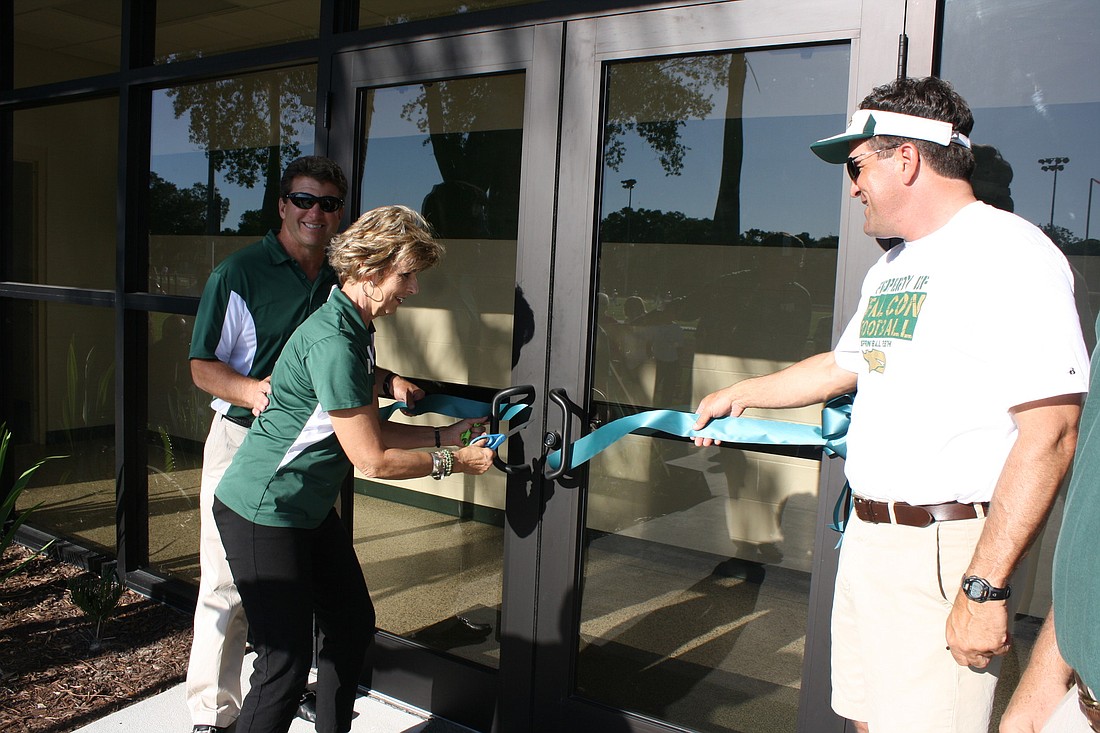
(590, 45)
(452, 688)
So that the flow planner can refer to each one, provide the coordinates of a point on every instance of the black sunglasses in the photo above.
(306, 201)
(854, 170)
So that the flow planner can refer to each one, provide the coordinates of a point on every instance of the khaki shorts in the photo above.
(890, 663)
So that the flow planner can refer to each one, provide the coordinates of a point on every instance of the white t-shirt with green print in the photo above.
(952, 331)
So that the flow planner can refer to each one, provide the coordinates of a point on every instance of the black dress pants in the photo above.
(286, 576)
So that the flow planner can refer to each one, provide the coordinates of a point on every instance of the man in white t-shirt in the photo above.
(969, 367)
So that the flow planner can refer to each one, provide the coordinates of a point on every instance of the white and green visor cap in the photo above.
(870, 122)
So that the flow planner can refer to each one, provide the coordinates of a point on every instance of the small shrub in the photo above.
(96, 596)
(8, 506)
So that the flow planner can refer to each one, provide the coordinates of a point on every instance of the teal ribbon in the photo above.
(835, 417)
(457, 407)
(831, 435)
(842, 510)
(834, 423)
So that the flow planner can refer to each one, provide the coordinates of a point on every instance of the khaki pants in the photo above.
(213, 686)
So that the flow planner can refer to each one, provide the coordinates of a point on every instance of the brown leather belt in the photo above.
(916, 515)
(1089, 706)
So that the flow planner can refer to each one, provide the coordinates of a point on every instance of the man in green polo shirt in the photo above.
(1067, 653)
(251, 304)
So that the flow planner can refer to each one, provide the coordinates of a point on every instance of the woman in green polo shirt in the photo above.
(290, 555)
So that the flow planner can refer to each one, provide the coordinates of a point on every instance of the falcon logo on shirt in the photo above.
(876, 360)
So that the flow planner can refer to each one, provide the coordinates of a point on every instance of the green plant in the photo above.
(83, 404)
(169, 452)
(97, 596)
(85, 408)
(10, 498)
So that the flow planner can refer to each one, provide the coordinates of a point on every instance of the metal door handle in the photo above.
(502, 400)
(569, 410)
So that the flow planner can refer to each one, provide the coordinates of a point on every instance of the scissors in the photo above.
(495, 440)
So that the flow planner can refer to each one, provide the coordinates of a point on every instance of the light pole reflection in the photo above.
(629, 185)
(1088, 211)
(1053, 164)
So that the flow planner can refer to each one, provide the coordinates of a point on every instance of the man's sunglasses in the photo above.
(306, 201)
(854, 170)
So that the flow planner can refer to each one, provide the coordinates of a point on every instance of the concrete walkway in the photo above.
(167, 713)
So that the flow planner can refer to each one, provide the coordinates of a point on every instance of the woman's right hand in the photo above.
(453, 434)
(473, 459)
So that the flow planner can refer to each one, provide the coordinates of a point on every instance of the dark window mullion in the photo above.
(7, 44)
(132, 265)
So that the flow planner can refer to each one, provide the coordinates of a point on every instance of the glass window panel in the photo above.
(373, 13)
(58, 40)
(62, 396)
(433, 559)
(65, 183)
(191, 28)
(717, 262)
(218, 152)
(458, 145)
(179, 419)
(1026, 69)
(432, 550)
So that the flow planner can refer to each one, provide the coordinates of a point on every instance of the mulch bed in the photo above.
(51, 679)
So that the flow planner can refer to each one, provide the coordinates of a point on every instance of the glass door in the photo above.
(462, 131)
(717, 255)
(633, 219)
(696, 583)
(450, 149)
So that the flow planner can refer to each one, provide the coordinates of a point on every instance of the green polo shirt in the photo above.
(1076, 572)
(253, 301)
(289, 468)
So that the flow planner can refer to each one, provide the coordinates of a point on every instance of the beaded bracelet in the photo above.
(448, 461)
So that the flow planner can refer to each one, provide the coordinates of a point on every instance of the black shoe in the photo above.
(207, 729)
(735, 567)
(453, 632)
(474, 626)
(307, 706)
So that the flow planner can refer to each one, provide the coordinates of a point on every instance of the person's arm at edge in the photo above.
(808, 382)
(403, 390)
(1022, 499)
(1043, 684)
(221, 380)
(361, 437)
(410, 437)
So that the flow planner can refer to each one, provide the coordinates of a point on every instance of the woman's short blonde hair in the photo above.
(380, 239)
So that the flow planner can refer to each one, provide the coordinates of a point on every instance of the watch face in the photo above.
(979, 590)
